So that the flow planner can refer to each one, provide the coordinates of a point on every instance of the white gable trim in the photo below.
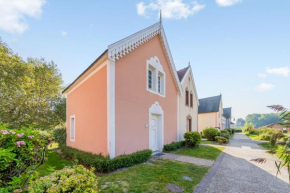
(193, 82)
(127, 45)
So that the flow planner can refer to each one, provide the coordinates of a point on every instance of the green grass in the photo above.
(153, 178)
(253, 136)
(53, 162)
(53, 145)
(204, 151)
(211, 142)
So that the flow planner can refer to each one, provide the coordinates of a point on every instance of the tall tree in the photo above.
(240, 122)
(29, 90)
(260, 120)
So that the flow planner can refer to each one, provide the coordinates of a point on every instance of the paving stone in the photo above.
(187, 178)
(174, 188)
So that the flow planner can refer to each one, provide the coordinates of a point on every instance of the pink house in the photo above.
(127, 99)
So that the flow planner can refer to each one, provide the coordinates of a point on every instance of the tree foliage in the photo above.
(260, 120)
(30, 91)
(240, 122)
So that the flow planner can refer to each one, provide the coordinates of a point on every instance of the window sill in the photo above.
(154, 92)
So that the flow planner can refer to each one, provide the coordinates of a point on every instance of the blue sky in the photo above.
(240, 48)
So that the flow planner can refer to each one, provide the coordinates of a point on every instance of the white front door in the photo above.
(153, 133)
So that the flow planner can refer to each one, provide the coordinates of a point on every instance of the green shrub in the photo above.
(104, 163)
(76, 179)
(210, 133)
(253, 131)
(233, 131)
(173, 146)
(265, 137)
(285, 131)
(192, 139)
(239, 130)
(20, 151)
(247, 127)
(60, 136)
(225, 131)
(221, 140)
(225, 135)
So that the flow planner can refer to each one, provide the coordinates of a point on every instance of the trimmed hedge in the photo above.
(174, 146)
(192, 139)
(60, 136)
(225, 135)
(104, 163)
(238, 130)
(221, 140)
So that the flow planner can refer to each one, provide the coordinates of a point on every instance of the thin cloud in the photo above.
(227, 3)
(283, 71)
(64, 33)
(13, 13)
(171, 9)
(261, 75)
(264, 87)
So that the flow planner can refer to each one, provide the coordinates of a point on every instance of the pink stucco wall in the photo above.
(132, 100)
(88, 103)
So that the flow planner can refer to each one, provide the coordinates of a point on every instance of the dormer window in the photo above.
(155, 77)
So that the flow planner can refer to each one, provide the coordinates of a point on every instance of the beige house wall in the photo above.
(206, 120)
(184, 110)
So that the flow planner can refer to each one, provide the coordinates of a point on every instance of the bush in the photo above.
(239, 130)
(225, 135)
(210, 133)
(221, 140)
(173, 146)
(247, 127)
(285, 131)
(76, 179)
(233, 131)
(253, 131)
(192, 139)
(265, 137)
(20, 152)
(104, 163)
(60, 136)
(225, 131)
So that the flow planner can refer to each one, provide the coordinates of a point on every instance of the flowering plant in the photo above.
(20, 151)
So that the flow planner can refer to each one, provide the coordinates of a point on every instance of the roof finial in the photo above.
(188, 63)
(160, 20)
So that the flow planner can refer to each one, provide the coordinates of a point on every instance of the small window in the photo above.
(186, 97)
(191, 100)
(72, 128)
(159, 84)
(149, 79)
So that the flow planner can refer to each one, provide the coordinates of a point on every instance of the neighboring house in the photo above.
(188, 103)
(127, 99)
(276, 126)
(233, 125)
(228, 116)
(210, 113)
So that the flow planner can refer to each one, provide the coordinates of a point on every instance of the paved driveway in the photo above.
(234, 172)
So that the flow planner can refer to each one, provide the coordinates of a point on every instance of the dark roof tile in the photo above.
(210, 104)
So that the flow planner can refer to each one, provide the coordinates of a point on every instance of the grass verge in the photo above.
(278, 148)
(153, 177)
(253, 136)
(204, 151)
(53, 162)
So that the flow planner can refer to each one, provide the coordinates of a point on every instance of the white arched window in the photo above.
(156, 81)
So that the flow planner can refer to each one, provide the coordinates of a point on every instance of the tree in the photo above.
(240, 122)
(260, 120)
(30, 91)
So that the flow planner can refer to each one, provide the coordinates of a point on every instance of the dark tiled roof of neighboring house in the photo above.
(182, 72)
(228, 112)
(210, 104)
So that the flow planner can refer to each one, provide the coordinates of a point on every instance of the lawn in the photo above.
(253, 136)
(204, 151)
(53, 162)
(153, 177)
(210, 142)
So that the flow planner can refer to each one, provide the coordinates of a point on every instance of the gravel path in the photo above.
(187, 159)
(234, 172)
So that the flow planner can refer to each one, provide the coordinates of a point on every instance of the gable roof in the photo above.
(124, 46)
(210, 104)
(228, 112)
(182, 72)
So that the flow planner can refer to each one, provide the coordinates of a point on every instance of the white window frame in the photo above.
(74, 131)
(157, 70)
